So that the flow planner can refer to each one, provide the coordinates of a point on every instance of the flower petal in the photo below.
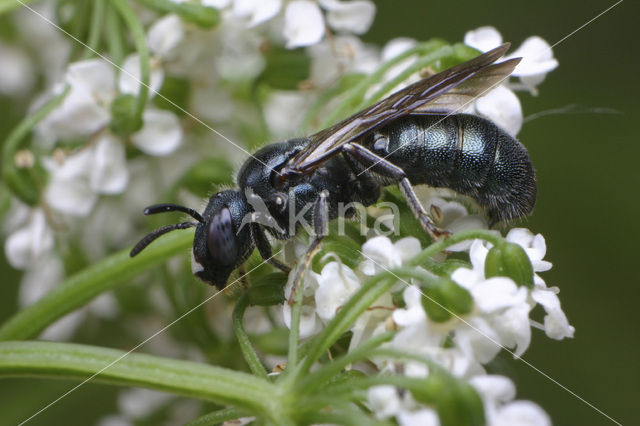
(161, 133)
(502, 107)
(265, 10)
(556, 324)
(336, 284)
(109, 174)
(522, 413)
(130, 82)
(303, 24)
(25, 245)
(165, 34)
(352, 16)
(483, 38)
(537, 58)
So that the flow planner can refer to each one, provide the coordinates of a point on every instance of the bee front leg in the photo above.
(320, 229)
(384, 167)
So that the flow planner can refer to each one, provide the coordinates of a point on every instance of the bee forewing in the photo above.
(442, 92)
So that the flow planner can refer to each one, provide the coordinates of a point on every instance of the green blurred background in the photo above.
(588, 206)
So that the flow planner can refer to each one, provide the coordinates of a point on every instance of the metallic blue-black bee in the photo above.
(415, 136)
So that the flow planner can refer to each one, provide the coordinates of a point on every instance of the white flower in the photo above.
(76, 180)
(258, 11)
(384, 401)
(501, 106)
(505, 306)
(303, 24)
(68, 190)
(26, 244)
(380, 253)
(108, 173)
(165, 34)
(556, 324)
(161, 133)
(336, 284)
(309, 322)
(351, 16)
(344, 54)
(423, 417)
(497, 393)
(85, 109)
(130, 77)
(537, 56)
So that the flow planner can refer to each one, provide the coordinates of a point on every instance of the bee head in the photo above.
(221, 242)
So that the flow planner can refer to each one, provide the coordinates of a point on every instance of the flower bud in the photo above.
(509, 260)
(444, 299)
(125, 120)
(460, 404)
(456, 402)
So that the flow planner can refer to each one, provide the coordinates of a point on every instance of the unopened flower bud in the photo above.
(509, 260)
(125, 118)
(445, 299)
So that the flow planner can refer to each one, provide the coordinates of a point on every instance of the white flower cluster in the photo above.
(464, 344)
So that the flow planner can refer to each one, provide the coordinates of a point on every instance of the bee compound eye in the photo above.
(221, 240)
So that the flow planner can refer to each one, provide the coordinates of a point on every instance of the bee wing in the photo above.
(448, 91)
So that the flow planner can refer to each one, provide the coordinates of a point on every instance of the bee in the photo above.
(415, 136)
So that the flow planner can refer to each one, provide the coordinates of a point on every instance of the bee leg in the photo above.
(384, 167)
(264, 248)
(320, 229)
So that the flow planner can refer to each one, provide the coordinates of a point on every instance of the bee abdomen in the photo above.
(466, 153)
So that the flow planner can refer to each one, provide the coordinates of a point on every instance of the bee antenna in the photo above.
(168, 207)
(148, 239)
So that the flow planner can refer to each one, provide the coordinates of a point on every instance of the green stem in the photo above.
(439, 246)
(218, 417)
(83, 362)
(326, 373)
(294, 334)
(140, 40)
(90, 282)
(357, 304)
(114, 33)
(95, 28)
(248, 351)
(203, 16)
(15, 180)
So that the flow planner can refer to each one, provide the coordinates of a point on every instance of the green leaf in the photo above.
(285, 68)
(81, 362)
